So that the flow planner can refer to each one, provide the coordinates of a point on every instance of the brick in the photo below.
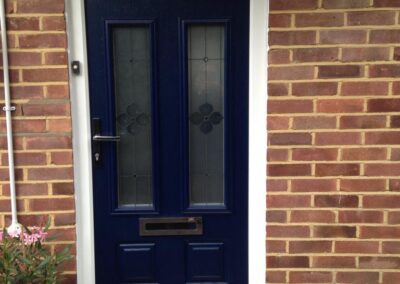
(291, 73)
(5, 206)
(61, 158)
(336, 201)
(385, 36)
(344, 4)
(314, 122)
(353, 247)
(279, 20)
(366, 54)
(50, 173)
(314, 89)
(339, 138)
(319, 20)
(57, 92)
(276, 185)
(40, 6)
(391, 247)
(382, 138)
(357, 277)
(63, 188)
(384, 71)
(276, 277)
(45, 75)
(394, 218)
(386, 3)
(287, 201)
(14, 76)
(59, 125)
(310, 246)
(380, 262)
(360, 185)
(395, 155)
(29, 220)
(23, 24)
(293, 4)
(276, 216)
(277, 123)
(277, 155)
(383, 105)
(396, 54)
(396, 88)
(4, 174)
(312, 216)
(313, 185)
(360, 217)
(364, 154)
(289, 170)
(292, 38)
(343, 37)
(58, 204)
(26, 92)
(340, 106)
(25, 159)
(391, 277)
(394, 185)
(17, 141)
(56, 58)
(26, 126)
(333, 262)
(278, 89)
(43, 41)
(310, 277)
(340, 71)
(314, 154)
(288, 231)
(25, 58)
(364, 88)
(370, 18)
(376, 201)
(362, 122)
(369, 232)
(56, 23)
(290, 139)
(287, 261)
(67, 219)
(49, 109)
(335, 231)
(63, 234)
(290, 106)
(382, 169)
(278, 56)
(276, 246)
(27, 189)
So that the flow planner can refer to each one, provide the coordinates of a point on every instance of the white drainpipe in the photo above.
(8, 109)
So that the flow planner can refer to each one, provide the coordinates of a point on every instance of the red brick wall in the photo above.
(42, 122)
(334, 142)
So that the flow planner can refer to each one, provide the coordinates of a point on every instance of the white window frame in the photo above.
(79, 92)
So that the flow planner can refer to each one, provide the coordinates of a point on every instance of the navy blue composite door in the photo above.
(169, 110)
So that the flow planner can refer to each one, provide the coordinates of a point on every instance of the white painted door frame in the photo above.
(79, 91)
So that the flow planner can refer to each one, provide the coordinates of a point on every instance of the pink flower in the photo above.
(1, 236)
(36, 235)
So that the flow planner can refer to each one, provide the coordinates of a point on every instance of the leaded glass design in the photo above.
(206, 67)
(132, 67)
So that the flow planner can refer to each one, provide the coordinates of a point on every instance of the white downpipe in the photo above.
(8, 109)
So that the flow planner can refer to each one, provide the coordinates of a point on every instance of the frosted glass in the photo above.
(131, 55)
(206, 114)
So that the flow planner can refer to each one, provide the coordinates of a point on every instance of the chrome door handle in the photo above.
(103, 138)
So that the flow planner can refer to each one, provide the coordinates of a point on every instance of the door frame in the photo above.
(79, 93)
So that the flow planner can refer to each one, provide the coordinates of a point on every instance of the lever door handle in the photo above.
(103, 138)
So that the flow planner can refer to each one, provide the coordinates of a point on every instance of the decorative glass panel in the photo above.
(132, 68)
(206, 66)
